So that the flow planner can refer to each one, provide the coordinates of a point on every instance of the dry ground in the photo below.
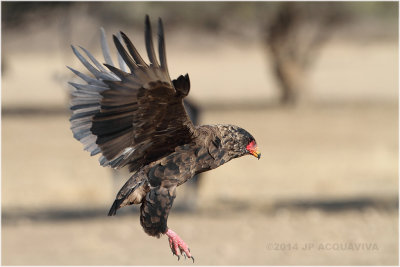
(318, 154)
(215, 239)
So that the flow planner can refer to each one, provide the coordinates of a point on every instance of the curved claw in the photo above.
(178, 246)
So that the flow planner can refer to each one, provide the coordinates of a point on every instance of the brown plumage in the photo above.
(137, 119)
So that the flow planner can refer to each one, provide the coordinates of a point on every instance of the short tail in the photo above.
(115, 206)
(133, 191)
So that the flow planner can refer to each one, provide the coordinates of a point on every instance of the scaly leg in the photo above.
(177, 245)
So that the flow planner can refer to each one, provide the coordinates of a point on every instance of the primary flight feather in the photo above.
(137, 119)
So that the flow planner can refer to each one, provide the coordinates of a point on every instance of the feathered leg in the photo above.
(154, 215)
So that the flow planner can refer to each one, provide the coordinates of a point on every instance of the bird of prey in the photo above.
(136, 118)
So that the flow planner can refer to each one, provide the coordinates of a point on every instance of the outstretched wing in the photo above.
(130, 118)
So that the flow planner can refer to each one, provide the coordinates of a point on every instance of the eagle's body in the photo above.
(137, 119)
(202, 154)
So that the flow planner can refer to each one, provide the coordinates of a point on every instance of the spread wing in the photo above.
(130, 118)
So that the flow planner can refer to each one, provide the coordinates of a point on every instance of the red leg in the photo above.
(177, 245)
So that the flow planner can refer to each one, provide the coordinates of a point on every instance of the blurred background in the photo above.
(316, 84)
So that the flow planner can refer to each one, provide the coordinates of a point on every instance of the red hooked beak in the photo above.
(253, 149)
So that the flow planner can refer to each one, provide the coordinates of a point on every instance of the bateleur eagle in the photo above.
(136, 118)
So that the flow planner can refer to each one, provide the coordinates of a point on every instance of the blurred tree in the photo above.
(294, 37)
(17, 14)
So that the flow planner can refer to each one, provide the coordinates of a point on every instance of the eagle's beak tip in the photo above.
(256, 154)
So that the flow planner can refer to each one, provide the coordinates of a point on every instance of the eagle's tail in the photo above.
(114, 207)
(133, 192)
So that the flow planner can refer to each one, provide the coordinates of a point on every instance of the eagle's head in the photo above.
(238, 142)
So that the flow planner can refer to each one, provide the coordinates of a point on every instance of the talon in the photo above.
(178, 246)
(192, 259)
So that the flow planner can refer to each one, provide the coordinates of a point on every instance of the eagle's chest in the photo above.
(184, 163)
(178, 166)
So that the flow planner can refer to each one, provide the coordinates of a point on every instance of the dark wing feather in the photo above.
(132, 50)
(130, 118)
(127, 59)
(161, 47)
(149, 43)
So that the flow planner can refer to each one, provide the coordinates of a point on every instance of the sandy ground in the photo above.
(352, 156)
(320, 153)
(215, 239)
